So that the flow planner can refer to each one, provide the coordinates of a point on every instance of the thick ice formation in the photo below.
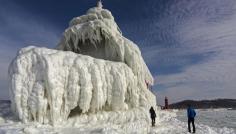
(94, 69)
(96, 34)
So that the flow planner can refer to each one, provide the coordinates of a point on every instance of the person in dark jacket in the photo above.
(153, 115)
(191, 115)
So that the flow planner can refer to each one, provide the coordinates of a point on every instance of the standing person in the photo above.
(191, 115)
(153, 115)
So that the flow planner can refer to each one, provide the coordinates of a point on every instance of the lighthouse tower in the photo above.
(166, 103)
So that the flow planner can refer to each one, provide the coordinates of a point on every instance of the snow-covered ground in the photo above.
(217, 118)
(207, 122)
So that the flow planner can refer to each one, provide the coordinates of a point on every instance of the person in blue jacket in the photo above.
(191, 115)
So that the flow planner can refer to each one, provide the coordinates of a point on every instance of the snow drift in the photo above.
(93, 69)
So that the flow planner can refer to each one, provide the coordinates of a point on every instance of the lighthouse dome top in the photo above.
(99, 4)
(93, 14)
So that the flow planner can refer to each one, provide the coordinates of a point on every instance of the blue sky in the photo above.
(188, 45)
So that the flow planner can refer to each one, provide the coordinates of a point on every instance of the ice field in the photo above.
(216, 121)
(217, 118)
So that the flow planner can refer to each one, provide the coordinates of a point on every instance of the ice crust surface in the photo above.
(93, 68)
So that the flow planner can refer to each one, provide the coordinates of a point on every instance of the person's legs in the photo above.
(193, 125)
(189, 129)
(153, 121)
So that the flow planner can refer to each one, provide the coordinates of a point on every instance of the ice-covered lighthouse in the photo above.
(93, 69)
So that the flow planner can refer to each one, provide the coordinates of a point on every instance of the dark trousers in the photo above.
(153, 121)
(191, 120)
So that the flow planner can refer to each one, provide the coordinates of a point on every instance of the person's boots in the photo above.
(189, 130)
(153, 123)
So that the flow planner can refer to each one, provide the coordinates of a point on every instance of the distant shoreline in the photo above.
(229, 104)
(205, 104)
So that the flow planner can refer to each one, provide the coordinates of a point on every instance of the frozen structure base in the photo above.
(49, 85)
(93, 68)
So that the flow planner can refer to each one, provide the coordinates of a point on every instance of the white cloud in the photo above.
(214, 76)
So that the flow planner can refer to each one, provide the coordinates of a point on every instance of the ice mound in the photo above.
(93, 69)
(96, 34)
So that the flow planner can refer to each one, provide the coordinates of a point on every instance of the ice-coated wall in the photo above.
(93, 68)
